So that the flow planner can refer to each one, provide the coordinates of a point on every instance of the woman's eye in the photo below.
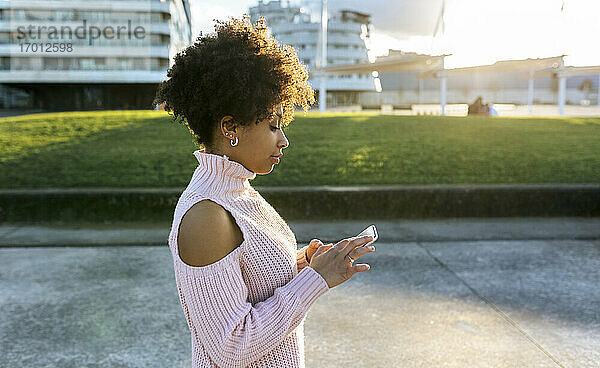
(273, 128)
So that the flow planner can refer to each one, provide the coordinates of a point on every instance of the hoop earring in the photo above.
(234, 144)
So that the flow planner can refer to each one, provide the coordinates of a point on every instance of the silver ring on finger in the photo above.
(350, 258)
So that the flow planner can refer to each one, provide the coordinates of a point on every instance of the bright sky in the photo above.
(476, 32)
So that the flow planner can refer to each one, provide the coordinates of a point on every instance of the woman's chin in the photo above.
(265, 170)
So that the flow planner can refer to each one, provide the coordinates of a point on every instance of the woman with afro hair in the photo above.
(244, 287)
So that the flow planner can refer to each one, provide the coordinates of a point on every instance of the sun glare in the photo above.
(478, 32)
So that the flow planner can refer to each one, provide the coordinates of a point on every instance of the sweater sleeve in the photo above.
(301, 258)
(233, 331)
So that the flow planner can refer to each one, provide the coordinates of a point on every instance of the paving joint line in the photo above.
(494, 307)
(456, 240)
(161, 243)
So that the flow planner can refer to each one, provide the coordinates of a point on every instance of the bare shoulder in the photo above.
(207, 233)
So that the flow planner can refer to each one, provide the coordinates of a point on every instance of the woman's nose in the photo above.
(284, 143)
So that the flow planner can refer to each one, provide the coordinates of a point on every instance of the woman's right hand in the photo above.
(332, 263)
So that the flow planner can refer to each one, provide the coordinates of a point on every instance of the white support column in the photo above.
(530, 94)
(443, 94)
(562, 94)
(323, 94)
(323, 82)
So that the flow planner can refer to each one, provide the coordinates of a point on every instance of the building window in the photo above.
(92, 63)
(51, 63)
(159, 64)
(139, 64)
(4, 63)
(86, 63)
(68, 64)
(38, 15)
(100, 63)
(64, 15)
(124, 63)
(21, 63)
(156, 17)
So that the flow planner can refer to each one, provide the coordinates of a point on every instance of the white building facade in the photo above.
(74, 55)
(503, 87)
(346, 33)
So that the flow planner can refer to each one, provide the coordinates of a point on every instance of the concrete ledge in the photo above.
(313, 203)
(397, 231)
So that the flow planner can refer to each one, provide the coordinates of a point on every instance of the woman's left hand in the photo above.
(312, 248)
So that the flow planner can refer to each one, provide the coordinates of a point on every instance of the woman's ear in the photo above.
(228, 126)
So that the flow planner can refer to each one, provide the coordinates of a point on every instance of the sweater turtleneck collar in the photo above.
(220, 174)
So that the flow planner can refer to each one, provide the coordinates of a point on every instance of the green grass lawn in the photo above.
(147, 149)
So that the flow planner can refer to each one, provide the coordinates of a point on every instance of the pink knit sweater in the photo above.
(248, 308)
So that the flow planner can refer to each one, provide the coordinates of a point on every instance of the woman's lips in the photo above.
(275, 159)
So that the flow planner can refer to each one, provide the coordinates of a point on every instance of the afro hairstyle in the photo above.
(239, 70)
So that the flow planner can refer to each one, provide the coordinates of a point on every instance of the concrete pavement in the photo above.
(452, 229)
(453, 293)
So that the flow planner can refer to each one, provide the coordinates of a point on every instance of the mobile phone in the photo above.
(370, 230)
